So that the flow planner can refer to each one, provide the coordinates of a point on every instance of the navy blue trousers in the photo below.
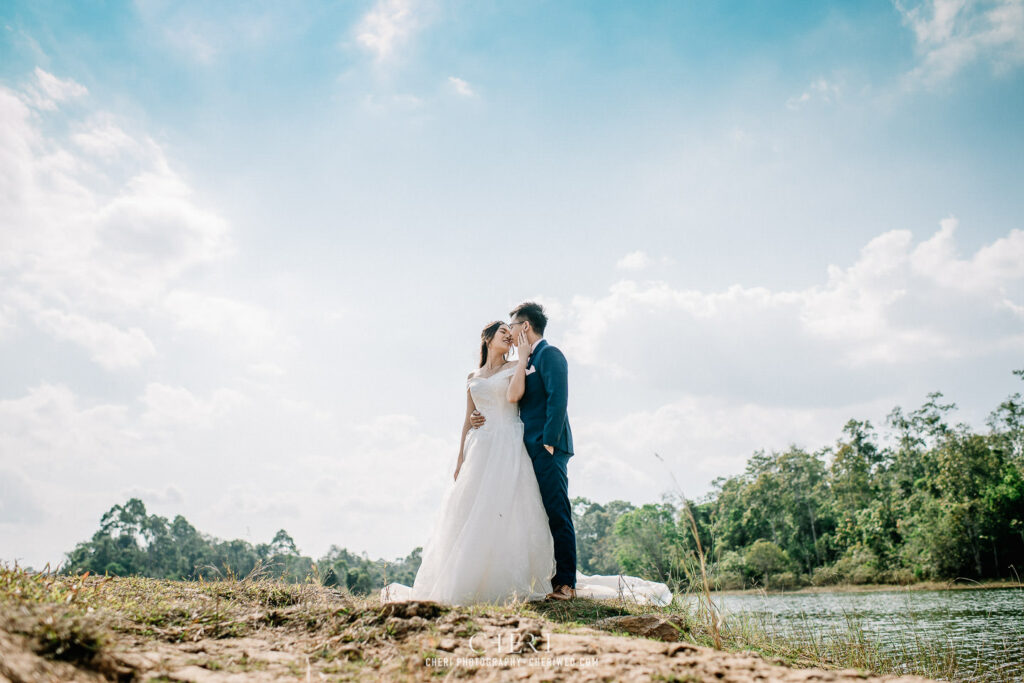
(553, 479)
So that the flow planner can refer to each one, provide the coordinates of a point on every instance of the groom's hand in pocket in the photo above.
(477, 419)
(549, 449)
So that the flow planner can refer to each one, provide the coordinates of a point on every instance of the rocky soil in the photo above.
(147, 630)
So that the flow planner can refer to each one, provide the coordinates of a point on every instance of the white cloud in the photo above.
(390, 473)
(853, 308)
(641, 260)
(235, 324)
(268, 370)
(193, 42)
(461, 87)
(18, 501)
(386, 27)
(996, 269)
(383, 103)
(798, 101)
(821, 90)
(634, 260)
(104, 246)
(706, 377)
(153, 227)
(76, 454)
(111, 347)
(169, 495)
(168, 407)
(723, 373)
(101, 234)
(204, 34)
(951, 34)
(104, 139)
(897, 303)
(58, 89)
(52, 432)
(18, 138)
(49, 91)
(269, 462)
(6, 319)
(699, 438)
(240, 500)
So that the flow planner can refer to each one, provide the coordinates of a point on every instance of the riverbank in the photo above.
(99, 628)
(962, 584)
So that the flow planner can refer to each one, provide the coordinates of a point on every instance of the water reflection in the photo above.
(985, 627)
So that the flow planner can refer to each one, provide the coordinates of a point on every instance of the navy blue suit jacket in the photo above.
(543, 406)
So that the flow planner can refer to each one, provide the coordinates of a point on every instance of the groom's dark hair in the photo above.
(532, 312)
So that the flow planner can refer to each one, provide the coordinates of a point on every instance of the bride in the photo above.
(491, 540)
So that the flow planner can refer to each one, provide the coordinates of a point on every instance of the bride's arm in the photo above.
(517, 386)
(470, 407)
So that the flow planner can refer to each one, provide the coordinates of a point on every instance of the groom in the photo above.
(547, 436)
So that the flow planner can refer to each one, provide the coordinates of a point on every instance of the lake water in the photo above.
(984, 626)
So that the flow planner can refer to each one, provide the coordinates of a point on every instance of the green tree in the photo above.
(765, 558)
(595, 541)
(649, 543)
(1007, 425)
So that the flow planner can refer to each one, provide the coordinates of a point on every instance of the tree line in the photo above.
(936, 501)
(131, 542)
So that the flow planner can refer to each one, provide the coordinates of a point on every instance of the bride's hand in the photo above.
(476, 419)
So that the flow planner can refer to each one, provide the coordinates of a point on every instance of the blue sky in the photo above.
(247, 250)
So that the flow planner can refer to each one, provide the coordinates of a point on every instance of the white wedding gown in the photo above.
(491, 541)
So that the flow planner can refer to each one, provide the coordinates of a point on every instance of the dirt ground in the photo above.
(404, 641)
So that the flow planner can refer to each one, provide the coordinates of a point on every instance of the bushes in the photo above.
(730, 572)
(762, 564)
(826, 576)
(787, 581)
(859, 565)
(764, 559)
(900, 576)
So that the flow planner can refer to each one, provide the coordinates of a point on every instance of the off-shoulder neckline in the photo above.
(508, 366)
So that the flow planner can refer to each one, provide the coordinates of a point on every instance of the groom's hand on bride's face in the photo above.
(477, 419)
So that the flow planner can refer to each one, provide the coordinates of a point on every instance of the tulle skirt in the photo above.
(491, 541)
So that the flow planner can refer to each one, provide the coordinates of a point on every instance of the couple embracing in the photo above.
(504, 530)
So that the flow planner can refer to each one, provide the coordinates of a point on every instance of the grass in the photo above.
(73, 618)
(845, 646)
(848, 646)
(841, 647)
(76, 618)
(911, 648)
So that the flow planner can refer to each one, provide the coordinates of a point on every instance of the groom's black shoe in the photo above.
(561, 593)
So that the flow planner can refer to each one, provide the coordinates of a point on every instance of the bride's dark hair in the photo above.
(485, 338)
